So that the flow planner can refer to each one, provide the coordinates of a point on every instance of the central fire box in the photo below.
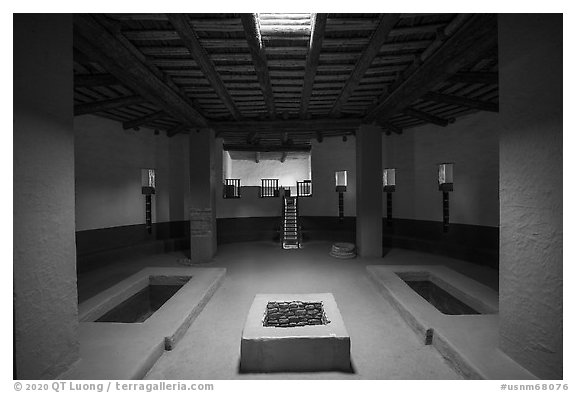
(294, 332)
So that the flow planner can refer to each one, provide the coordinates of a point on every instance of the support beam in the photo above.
(143, 120)
(270, 148)
(378, 38)
(468, 44)
(102, 45)
(461, 101)
(190, 40)
(101, 106)
(312, 59)
(427, 117)
(175, 130)
(94, 80)
(259, 59)
(287, 125)
(489, 78)
(390, 127)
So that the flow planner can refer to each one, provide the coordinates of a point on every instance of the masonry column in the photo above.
(45, 297)
(530, 56)
(369, 191)
(202, 196)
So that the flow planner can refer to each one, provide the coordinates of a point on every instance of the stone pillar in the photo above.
(530, 56)
(369, 191)
(202, 196)
(45, 295)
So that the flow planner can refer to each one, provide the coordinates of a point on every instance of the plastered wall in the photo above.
(471, 143)
(45, 297)
(530, 55)
(108, 183)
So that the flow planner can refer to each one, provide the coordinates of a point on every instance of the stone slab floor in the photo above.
(383, 346)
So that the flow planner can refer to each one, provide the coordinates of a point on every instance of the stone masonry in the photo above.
(294, 313)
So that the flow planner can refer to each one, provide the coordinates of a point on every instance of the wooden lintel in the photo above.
(93, 80)
(259, 59)
(312, 60)
(93, 38)
(268, 148)
(143, 120)
(461, 101)
(427, 117)
(468, 44)
(100, 106)
(190, 40)
(386, 24)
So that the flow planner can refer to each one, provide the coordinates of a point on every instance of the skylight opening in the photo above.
(277, 25)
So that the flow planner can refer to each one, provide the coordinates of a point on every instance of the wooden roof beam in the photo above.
(389, 127)
(386, 24)
(93, 80)
(175, 130)
(287, 125)
(188, 36)
(101, 106)
(253, 37)
(143, 120)
(427, 117)
(99, 43)
(461, 101)
(267, 149)
(477, 35)
(312, 60)
(489, 78)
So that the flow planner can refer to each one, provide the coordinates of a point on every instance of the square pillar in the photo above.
(202, 196)
(369, 191)
(45, 295)
(530, 56)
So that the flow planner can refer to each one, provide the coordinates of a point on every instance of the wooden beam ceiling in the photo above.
(312, 60)
(102, 45)
(461, 101)
(471, 41)
(386, 24)
(259, 59)
(101, 106)
(188, 36)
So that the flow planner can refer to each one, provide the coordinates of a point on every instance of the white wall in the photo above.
(45, 297)
(108, 183)
(472, 144)
(530, 53)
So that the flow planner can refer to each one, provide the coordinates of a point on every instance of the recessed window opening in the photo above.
(288, 167)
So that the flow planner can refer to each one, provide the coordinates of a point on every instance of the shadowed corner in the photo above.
(350, 370)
